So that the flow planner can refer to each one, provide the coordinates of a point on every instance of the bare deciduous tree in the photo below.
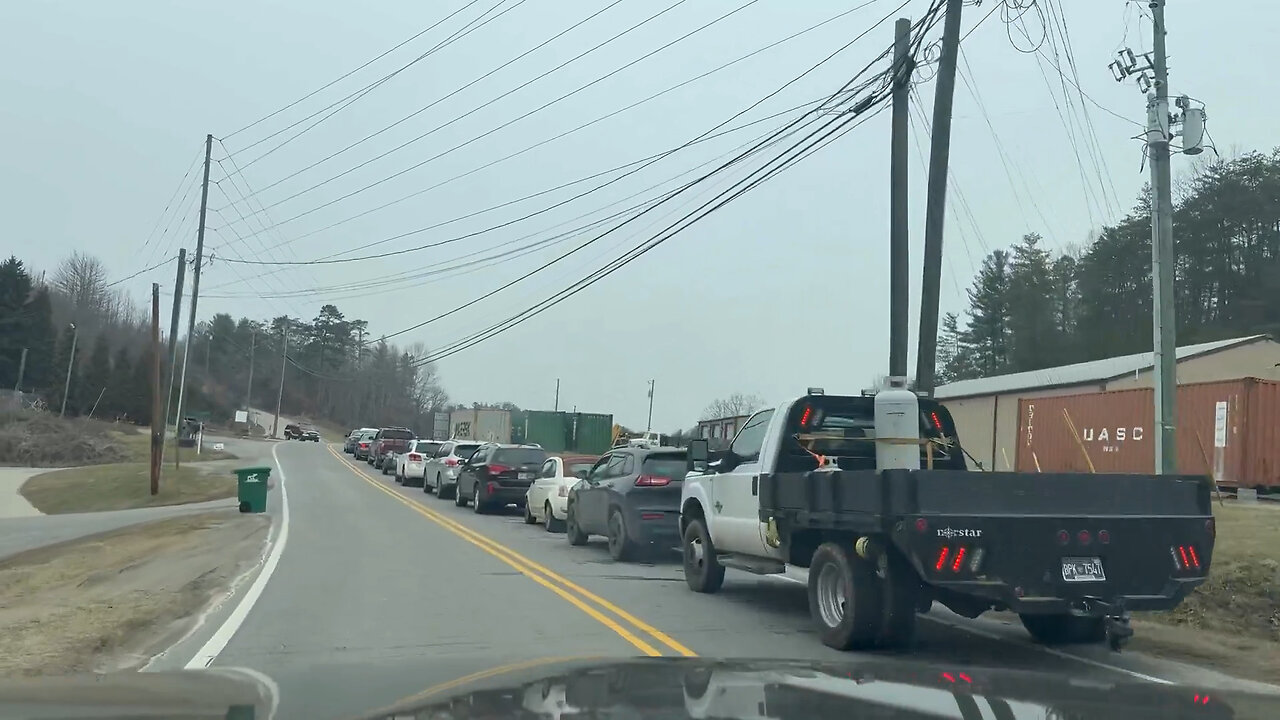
(82, 279)
(734, 405)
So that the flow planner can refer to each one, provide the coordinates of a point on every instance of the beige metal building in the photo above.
(986, 409)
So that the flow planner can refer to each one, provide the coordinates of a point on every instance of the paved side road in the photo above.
(393, 590)
(21, 531)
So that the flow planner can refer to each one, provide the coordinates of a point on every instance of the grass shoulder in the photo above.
(121, 486)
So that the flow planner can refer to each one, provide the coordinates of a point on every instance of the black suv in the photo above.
(632, 497)
(498, 475)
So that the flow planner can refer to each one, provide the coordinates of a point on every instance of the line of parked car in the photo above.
(630, 494)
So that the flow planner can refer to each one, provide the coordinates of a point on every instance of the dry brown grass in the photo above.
(110, 601)
(1232, 621)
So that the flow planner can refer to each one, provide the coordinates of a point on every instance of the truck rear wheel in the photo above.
(901, 588)
(844, 598)
(1065, 629)
(702, 569)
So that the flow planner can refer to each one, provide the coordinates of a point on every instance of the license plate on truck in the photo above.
(1083, 570)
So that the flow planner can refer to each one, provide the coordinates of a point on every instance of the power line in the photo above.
(786, 131)
(562, 135)
(160, 264)
(439, 100)
(594, 277)
(349, 73)
(355, 96)
(509, 123)
(642, 162)
(419, 274)
(860, 108)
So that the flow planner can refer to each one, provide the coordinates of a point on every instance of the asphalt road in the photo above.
(382, 591)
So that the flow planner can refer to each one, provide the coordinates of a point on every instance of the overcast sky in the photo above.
(107, 105)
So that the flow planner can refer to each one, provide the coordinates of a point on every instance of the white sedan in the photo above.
(412, 463)
(547, 500)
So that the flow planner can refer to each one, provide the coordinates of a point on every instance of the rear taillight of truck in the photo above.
(959, 559)
(1186, 558)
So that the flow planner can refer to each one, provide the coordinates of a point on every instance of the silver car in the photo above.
(440, 473)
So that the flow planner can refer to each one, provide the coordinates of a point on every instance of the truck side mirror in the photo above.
(699, 450)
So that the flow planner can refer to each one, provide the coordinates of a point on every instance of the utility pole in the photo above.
(899, 248)
(936, 203)
(195, 289)
(71, 362)
(557, 407)
(175, 317)
(248, 394)
(1152, 75)
(284, 357)
(650, 423)
(1162, 258)
(157, 422)
(22, 369)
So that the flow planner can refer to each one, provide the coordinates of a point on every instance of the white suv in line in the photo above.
(411, 465)
(440, 473)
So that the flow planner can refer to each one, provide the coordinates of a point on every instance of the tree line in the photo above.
(74, 319)
(331, 371)
(1030, 308)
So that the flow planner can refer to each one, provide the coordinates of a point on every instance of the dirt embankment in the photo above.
(1232, 622)
(111, 601)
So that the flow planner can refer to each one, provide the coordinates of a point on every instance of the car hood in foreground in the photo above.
(867, 687)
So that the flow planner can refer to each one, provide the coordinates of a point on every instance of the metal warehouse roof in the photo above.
(1077, 374)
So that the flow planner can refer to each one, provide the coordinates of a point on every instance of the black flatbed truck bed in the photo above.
(1044, 545)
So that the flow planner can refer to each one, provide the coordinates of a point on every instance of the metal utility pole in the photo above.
(22, 370)
(1162, 259)
(175, 317)
(650, 423)
(248, 394)
(936, 204)
(899, 248)
(71, 362)
(284, 357)
(157, 422)
(557, 407)
(195, 287)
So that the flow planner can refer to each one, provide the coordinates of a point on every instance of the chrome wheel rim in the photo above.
(831, 597)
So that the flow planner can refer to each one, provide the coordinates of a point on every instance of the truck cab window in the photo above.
(750, 438)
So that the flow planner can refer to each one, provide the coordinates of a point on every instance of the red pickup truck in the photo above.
(389, 440)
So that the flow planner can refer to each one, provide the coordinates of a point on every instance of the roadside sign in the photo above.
(1220, 424)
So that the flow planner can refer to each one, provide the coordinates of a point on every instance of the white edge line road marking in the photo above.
(260, 677)
(205, 656)
(992, 636)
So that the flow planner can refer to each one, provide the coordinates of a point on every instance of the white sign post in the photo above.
(1219, 440)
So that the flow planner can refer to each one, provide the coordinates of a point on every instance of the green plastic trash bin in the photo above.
(251, 488)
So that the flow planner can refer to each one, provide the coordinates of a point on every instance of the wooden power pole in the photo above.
(157, 408)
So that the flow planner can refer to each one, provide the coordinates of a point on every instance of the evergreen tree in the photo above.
(16, 319)
(95, 381)
(41, 370)
(1033, 337)
(118, 399)
(987, 335)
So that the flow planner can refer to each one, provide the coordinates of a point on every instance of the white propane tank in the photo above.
(897, 418)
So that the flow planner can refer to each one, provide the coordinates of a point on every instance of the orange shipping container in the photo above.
(1117, 431)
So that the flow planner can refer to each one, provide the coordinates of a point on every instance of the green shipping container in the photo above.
(590, 433)
(548, 429)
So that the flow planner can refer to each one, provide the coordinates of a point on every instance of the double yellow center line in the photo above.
(646, 638)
